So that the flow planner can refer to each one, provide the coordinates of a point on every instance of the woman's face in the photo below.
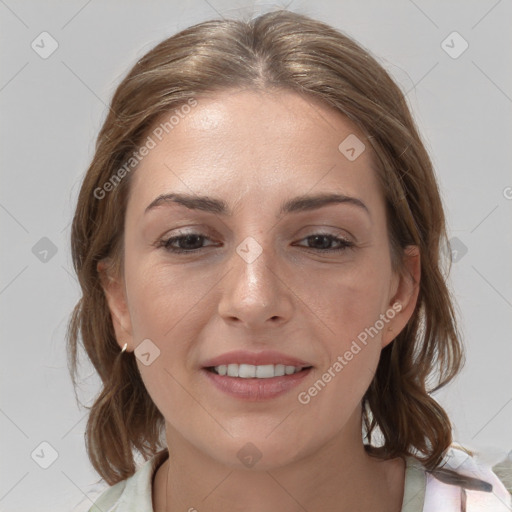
(260, 275)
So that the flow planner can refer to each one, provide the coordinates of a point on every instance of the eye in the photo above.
(188, 242)
(324, 240)
(193, 242)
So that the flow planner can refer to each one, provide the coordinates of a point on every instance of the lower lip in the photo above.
(256, 389)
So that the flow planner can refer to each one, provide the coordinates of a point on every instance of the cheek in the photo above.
(347, 301)
(163, 300)
(165, 307)
(349, 306)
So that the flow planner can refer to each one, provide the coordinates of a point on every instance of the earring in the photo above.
(124, 348)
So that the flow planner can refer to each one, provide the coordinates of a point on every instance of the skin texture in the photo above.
(255, 150)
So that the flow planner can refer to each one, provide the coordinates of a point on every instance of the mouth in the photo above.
(249, 371)
(255, 383)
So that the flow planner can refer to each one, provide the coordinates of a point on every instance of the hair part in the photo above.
(286, 51)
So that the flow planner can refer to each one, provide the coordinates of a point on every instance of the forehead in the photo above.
(254, 146)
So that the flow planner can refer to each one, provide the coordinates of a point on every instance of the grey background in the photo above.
(52, 110)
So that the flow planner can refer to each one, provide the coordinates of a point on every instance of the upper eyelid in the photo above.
(206, 230)
(338, 232)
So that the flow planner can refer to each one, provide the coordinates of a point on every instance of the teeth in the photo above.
(248, 371)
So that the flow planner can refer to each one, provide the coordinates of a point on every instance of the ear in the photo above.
(115, 293)
(403, 294)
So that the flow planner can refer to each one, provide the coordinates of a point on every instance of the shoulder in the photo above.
(468, 480)
(134, 493)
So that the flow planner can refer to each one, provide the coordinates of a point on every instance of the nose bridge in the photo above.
(253, 267)
(254, 292)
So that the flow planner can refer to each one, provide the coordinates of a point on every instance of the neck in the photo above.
(338, 476)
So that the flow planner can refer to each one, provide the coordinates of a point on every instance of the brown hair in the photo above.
(287, 51)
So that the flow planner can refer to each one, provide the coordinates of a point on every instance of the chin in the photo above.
(259, 452)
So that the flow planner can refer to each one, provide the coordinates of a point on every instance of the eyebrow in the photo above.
(218, 206)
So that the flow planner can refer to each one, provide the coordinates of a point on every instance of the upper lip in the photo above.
(255, 358)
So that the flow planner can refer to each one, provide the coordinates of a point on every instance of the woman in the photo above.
(258, 240)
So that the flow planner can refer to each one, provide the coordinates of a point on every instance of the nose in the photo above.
(256, 293)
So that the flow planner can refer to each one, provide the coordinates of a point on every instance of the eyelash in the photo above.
(166, 243)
